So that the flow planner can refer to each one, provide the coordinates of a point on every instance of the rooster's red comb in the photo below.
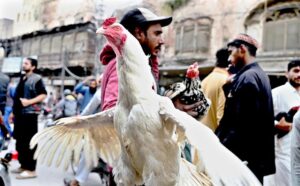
(109, 21)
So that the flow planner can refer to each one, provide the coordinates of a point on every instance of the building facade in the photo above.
(56, 35)
(6, 28)
(47, 14)
(61, 34)
(201, 27)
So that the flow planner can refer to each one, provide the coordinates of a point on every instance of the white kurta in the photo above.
(284, 98)
(295, 150)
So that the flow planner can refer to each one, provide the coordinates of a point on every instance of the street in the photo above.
(46, 176)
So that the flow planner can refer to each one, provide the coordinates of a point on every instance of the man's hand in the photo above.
(88, 79)
(189, 109)
(25, 102)
(284, 125)
(11, 118)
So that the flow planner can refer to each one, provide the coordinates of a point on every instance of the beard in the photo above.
(294, 83)
(146, 49)
(93, 90)
(239, 64)
(26, 70)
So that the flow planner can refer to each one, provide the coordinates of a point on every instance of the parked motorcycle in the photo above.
(4, 162)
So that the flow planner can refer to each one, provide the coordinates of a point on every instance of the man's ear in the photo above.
(243, 49)
(287, 75)
(139, 34)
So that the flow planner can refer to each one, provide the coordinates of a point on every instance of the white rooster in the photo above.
(144, 141)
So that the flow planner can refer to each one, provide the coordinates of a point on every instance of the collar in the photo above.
(290, 87)
(247, 67)
(220, 70)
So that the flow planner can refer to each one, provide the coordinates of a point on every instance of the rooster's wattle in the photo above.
(189, 91)
(142, 134)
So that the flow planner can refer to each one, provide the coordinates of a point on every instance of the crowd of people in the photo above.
(22, 103)
(250, 119)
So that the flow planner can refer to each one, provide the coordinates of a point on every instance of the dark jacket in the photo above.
(247, 126)
(30, 88)
(4, 81)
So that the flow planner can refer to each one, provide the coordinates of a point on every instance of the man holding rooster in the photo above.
(147, 28)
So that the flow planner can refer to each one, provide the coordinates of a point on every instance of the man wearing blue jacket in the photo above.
(87, 88)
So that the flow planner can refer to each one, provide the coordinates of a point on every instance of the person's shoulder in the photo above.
(254, 73)
(36, 76)
(4, 76)
(281, 88)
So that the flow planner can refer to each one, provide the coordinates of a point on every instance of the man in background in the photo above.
(285, 97)
(30, 93)
(87, 88)
(247, 126)
(4, 82)
(212, 87)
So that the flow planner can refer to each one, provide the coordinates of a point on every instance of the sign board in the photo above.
(68, 82)
(12, 65)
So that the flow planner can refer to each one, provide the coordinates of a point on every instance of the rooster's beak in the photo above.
(100, 30)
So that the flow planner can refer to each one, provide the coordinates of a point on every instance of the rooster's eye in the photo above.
(117, 28)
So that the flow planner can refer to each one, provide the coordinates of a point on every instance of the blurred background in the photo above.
(61, 34)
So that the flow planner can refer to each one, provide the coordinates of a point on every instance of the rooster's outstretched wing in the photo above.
(91, 135)
(221, 165)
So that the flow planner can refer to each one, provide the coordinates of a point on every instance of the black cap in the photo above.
(142, 16)
(293, 63)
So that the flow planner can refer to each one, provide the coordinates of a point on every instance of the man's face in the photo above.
(236, 56)
(93, 84)
(27, 67)
(153, 41)
(293, 76)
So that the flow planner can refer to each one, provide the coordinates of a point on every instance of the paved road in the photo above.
(47, 176)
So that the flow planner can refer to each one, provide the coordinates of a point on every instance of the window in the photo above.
(282, 30)
(188, 39)
(68, 42)
(293, 34)
(177, 40)
(193, 36)
(26, 47)
(80, 43)
(35, 46)
(45, 45)
(56, 44)
(203, 38)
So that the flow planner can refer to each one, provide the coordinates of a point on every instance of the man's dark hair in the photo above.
(252, 50)
(33, 62)
(222, 58)
(293, 63)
